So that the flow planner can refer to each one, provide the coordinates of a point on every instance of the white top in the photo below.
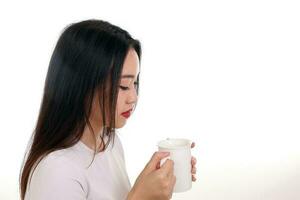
(64, 175)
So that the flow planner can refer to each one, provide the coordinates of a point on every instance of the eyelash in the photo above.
(126, 88)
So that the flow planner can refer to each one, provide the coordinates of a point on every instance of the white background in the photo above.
(224, 74)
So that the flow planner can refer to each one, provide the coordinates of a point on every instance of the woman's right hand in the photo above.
(154, 182)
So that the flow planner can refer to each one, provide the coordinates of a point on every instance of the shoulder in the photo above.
(58, 162)
(56, 177)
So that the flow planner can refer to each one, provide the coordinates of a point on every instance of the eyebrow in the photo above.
(129, 76)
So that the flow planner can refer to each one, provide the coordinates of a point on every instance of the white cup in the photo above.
(180, 153)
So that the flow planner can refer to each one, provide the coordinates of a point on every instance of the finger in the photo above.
(158, 165)
(193, 160)
(193, 144)
(168, 167)
(194, 170)
(194, 178)
(155, 160)
(173, 181)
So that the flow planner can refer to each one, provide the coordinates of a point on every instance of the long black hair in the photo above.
(87, 60)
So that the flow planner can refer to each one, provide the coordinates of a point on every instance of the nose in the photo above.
(132, 96)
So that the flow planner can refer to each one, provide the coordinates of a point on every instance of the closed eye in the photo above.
(127, 88)
(124, 88)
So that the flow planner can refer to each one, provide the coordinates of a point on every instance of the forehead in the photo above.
(131, 64)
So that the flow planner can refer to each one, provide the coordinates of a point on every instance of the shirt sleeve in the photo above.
(56, 179)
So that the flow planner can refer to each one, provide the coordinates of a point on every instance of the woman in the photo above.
(90, 91)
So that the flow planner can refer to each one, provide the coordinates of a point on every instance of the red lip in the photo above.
(126, 114)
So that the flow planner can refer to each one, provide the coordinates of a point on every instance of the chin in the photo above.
(120, 124)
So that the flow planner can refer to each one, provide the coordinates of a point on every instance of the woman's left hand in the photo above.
(193, 162)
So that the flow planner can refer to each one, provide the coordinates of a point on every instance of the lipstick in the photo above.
(126, 114)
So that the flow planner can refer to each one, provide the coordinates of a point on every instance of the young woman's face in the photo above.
(127, 96)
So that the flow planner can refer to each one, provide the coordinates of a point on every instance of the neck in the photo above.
(88, 138)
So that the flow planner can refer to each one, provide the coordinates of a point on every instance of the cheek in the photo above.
(120, 103)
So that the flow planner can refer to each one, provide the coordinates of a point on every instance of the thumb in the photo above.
(155, 160)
